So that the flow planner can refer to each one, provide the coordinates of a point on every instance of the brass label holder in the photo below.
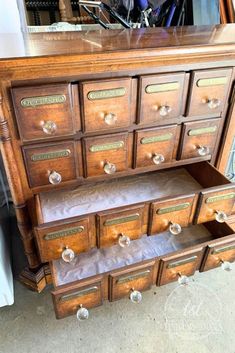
(107, 146)
(64, 233)
(32, 102)
(106, 93)
(217, 198)
(50, 155)
(134, 276)
(182, 262)
(153, 139)
(120, 220)
(162, 87)
(78, 294)
(213, 81)
(179, 207)
(223, 249)
(202, 131)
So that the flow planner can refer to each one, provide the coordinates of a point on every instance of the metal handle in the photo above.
(68, 255)
(110, 118)
(135, 296)
(55, 178)
(226, 265)
(203, 150)
(110, 168)
(82, 313)
(158, 158)
(49, 127)
(182, 279)
(175, 228)
(221, 216)
(124, 241)
(213, 103)
(164, 110)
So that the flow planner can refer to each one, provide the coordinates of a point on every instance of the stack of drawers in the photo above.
(140, 202)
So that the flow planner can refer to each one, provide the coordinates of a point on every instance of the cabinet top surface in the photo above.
(29, 45)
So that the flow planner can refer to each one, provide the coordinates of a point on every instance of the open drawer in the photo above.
(114, 273)
(131, 207)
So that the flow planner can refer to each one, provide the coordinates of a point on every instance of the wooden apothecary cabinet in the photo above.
(115, 157)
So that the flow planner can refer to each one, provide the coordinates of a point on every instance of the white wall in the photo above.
(12, 16)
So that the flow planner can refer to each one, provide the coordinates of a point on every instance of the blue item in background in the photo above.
(206, 12)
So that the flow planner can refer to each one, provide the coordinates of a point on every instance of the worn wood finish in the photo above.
(106, 104)
(123, 282)
(53, 240)
(206, 86)
(160, 97)
(150, 143)
(197, 135)
(42, 160)
(173, 266)
(38, 107)
(112, 225)
(67, 301)
(100, 151)
(178, 210)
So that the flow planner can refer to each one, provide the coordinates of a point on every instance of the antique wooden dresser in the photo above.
(111, 142)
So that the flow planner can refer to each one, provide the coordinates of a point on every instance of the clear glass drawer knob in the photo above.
(68, 255)
(124, 241)
(109, 168)
(175, 228)
(49, 127)
(158, 158)
(164, 110)
(226, 265)
(203, 150)
(221, 216)
(82, 313)
(183, 280)
(55, 178)
(213, 103)
(135, 296)
(110, 119)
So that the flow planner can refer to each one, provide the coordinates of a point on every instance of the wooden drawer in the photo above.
(161, 97)
(68, 299)
(179, 211)
(154, 146)
(218, 252)
(199, 138)
(106, 104)
(209, 89)
(139, 278)
(50, 164)
(44, 111)
(116, 224)
(53, 240)
(172, 266)
(106, 155)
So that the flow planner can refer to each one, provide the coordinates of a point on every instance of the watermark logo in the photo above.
(193, 312)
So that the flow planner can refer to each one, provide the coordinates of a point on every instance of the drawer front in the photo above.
(208, 92)
(106, 155)
(113, 225)
(123, 282)
(106, 104)
(50, 164)
(199, 138)
(161, 97)
(172, 267)
(213, 201)
(164, 213)
(155, 146)
(53, 240)
(216, 254)
(44, 112)
(67, 301)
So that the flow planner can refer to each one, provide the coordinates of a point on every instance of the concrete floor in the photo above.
(198, 318)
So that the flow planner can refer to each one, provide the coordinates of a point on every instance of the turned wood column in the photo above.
(13, 176)
(66, 12)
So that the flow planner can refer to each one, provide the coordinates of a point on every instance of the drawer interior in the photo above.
(100, 261)
(96, 197)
